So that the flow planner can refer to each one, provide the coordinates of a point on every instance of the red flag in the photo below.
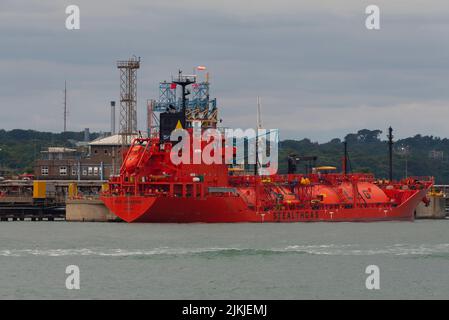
(173, 85)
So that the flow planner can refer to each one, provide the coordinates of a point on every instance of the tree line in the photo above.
(367, 150)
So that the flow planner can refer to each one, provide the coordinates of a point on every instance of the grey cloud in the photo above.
(318, 70)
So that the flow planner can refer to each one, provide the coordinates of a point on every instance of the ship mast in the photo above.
(390, 153)
(259, 126)
(256, 165)
(259, 121)
(184, 81)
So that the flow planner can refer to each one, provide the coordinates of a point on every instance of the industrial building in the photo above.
(96, 162)
(100, 158)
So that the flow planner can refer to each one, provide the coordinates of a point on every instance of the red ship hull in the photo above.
(204, 176)
(235, 209)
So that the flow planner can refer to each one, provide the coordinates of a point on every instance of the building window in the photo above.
(74, 171)
(95, 171)
(90, 170)
(62, 171)
(84, 172)
(44, 171)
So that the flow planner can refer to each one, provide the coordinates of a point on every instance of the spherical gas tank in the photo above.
(133, 158)
(326, 193)
(369, 192)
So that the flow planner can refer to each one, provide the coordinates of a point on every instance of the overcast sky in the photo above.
(319, 71)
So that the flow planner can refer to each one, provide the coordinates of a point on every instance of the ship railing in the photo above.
(413, 181)
(315, 178)
(188, 189)
(276, 207)
(422, 178)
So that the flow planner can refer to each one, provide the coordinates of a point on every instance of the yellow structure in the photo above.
(39, 189)
(326, 168)
(73, 190)
(105, 187)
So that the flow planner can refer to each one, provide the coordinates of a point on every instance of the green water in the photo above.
(224, 261)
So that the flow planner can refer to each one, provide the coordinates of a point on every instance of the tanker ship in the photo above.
(151, 188)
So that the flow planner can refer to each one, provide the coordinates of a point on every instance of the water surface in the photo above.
(224, 261)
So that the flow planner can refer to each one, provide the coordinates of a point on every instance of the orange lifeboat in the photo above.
(133, 158)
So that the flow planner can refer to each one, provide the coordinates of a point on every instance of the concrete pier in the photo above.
(435, 210)
(91, 210)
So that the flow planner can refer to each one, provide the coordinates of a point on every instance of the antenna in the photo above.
(65, 106)
(259, 126)
(390, 153)
(256, 165)
(259, 121)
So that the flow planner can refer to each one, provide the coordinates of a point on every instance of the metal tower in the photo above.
(167, 93)
(128, 98)
(152, 120)
(200, 97)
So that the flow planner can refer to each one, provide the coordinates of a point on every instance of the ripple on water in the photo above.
(434, 250)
